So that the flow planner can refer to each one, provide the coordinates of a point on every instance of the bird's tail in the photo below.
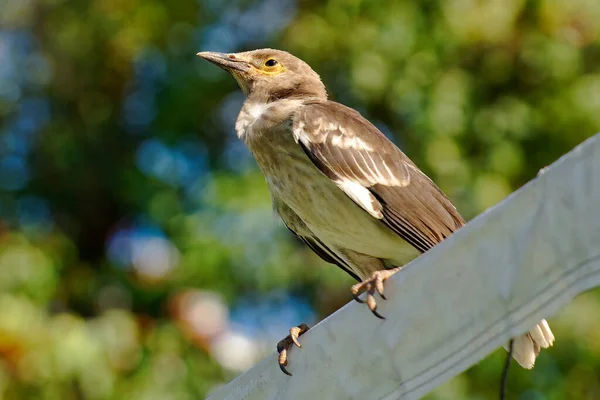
(527, 347)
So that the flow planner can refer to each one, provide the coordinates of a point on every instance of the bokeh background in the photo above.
(139, 256)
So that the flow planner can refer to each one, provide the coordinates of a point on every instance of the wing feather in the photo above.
(374, 173)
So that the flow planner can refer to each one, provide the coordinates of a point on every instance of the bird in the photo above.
(339, 184)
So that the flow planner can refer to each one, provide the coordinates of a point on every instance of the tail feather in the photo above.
(542, 335)
(527, 346)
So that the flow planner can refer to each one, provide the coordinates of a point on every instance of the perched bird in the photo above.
(338, 183)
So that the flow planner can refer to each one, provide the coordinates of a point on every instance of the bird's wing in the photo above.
(374, 173)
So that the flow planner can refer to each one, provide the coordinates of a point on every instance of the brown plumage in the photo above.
(338, 183)
(410, 203)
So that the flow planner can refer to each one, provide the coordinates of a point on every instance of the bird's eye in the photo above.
(271, 62)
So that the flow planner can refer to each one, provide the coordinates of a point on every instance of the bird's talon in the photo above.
(282, 359)
(379, 285)
(371, 285)
(358, 299)
(284, 370)
(375, 313)
(296, 342)
(356, 291)
(372, 304)
(284, 345)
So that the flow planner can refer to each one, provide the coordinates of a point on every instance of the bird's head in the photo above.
(268, 73)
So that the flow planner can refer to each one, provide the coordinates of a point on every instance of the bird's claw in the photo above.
(355, 295)
(371, 285)
(286, 343)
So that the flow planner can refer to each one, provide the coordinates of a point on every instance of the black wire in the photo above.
(505, 371)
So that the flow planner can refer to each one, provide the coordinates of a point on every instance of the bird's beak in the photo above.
(229, 62)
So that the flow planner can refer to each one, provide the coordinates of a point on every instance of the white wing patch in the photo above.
(361, 196)
(345, 141)
(374, 169)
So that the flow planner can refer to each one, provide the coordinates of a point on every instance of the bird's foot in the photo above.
(286, 343)
(371, 285)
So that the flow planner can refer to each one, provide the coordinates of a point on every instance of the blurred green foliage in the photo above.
(139, 258)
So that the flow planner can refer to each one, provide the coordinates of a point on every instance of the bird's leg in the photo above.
(286, 343)
(370, 286)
